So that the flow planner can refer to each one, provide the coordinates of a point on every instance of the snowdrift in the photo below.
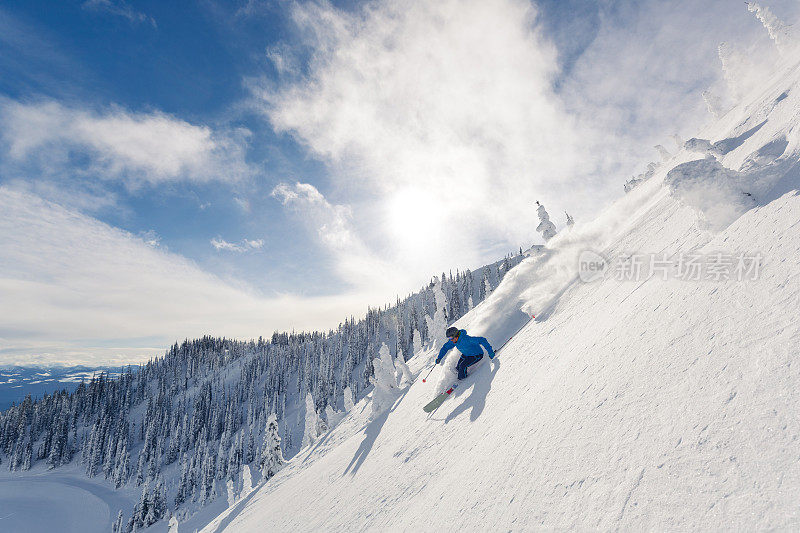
(645, 399)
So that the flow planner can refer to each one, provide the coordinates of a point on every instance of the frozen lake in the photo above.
(47, 503)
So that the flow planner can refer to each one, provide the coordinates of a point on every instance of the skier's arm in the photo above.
(446, 347)
(483, 342)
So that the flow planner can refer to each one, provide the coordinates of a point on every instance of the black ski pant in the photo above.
(466, 361)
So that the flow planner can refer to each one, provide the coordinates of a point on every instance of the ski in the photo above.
(436, 402)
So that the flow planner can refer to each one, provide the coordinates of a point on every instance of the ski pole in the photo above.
(429, 373)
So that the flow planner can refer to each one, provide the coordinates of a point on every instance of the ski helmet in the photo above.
(451, 331)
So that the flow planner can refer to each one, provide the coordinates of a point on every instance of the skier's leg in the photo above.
(462, 367)
(465, 362)
(473, 359)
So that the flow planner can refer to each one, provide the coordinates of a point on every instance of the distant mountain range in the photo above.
(16, 382)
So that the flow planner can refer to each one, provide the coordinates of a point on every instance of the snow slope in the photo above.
(627, 404)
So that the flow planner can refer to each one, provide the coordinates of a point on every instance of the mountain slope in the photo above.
(186, 431)
(647, 403)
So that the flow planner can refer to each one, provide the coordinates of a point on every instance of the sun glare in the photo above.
(414, 217)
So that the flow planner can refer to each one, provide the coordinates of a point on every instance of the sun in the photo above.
(414, 217)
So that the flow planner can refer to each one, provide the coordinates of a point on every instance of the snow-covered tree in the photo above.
(485, 287)
(438, 323)
(122, 466)
(778, 30)
(208, 477)
(116, 527)
(247, 480)
(416, 346)
(348, 399)
(271, 455)
(230, 490)
(545, 227)
(151, 508)
(403, 374)
(250, 453)
(570, 220)
(311, 420)
(184, 483)
(158, 503)
(385, 393)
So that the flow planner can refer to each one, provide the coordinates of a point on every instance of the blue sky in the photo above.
(173, 169)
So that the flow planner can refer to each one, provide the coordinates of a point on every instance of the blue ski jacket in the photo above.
(467, 346)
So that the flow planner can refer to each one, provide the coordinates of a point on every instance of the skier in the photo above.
(471, 349)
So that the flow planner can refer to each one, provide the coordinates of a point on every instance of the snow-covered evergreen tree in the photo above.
(230, 490)
(122, 466)
(570, 220)
(247, 478)
(385, 392)
(403, 374)
(271, 455)
(184, 483)
(485, 287)
(208, 477)
(348, 399)
(545, 227)
(116, 527)
(151, 508)
(438, 323)
(416, 346)
(311, 419)
(250, 451)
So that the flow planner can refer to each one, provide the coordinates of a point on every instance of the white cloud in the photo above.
(242, 203)
(121, 9)
(441, 125)
(150, 238)
(117, 144)
(245, 245)
(332, 224)
(283, 59)
(73, 289)
(440, 117)
(85, 197)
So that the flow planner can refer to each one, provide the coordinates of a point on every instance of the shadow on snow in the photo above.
(477, 398)
(371, 433)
